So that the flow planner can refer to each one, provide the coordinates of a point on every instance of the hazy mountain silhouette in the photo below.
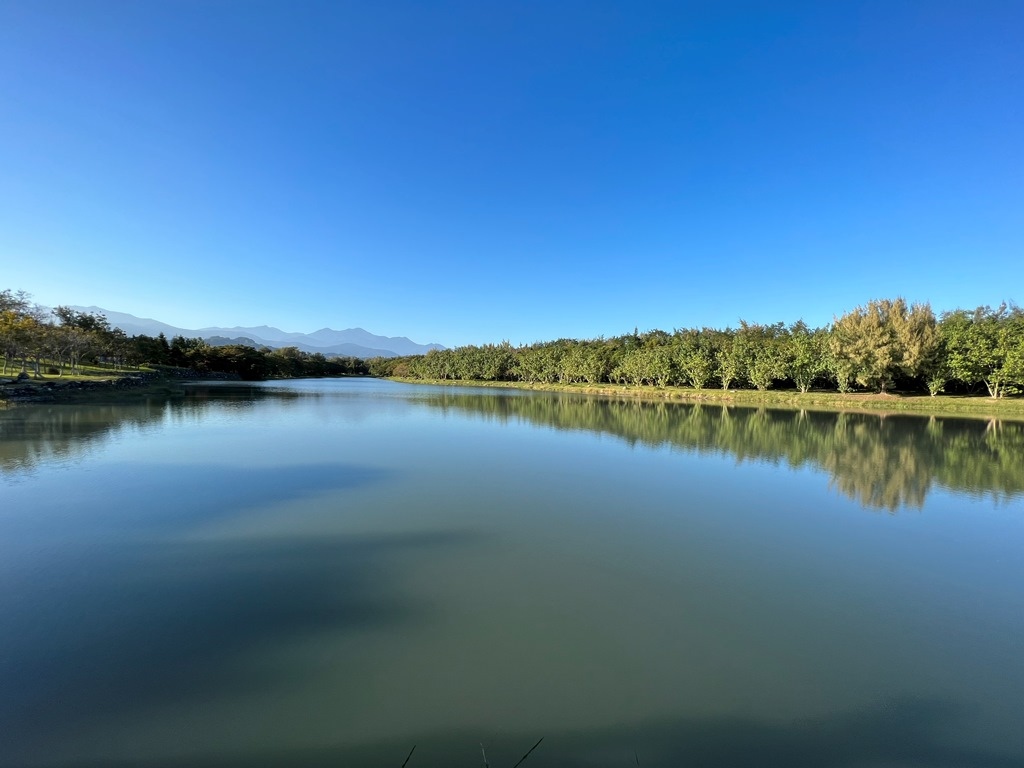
(355, 342)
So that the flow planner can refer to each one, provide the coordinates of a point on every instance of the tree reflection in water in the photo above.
(884, 462)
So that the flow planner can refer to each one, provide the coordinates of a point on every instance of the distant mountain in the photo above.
(353, 342)
(135, 326)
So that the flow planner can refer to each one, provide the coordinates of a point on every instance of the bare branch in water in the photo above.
(528, 753)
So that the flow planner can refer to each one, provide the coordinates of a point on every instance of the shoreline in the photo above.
(120, 386)
(113, 388)
(962, 406)
(129, 386)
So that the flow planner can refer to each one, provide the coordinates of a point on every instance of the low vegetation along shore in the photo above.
(109, 386)
(974, 406)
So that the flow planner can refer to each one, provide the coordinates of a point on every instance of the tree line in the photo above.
(882, 345)
(36, 340)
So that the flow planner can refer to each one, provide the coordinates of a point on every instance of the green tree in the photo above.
(807, 355)
(247, 362)
(986, 345)
(149, 349)
(189, 352)
(659, 364)
(728, 356)
(577, 363)
(762, 352)
(918, 337)
(695, 357)
(633, 368)
(17, 302)
(90, 322)
(883, 339)
(21, 328)
(15, 330)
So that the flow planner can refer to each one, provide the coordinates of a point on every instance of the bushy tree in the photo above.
(882, 339)
(633, 368)
(695, 357)
(918, 338)
(728, 357)
(763, 353)
(806, 355)
(986, 345)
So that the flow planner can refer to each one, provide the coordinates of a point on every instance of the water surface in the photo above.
(329, 572)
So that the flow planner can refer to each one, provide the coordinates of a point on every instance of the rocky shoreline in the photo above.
(24, 389)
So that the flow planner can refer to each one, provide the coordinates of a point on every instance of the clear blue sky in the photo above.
(466, 172)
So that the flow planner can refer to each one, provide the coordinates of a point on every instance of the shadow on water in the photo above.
(885, 462)
(164, 495)
(125, 500)
(135, 606)
(171, 622)
(905, 733)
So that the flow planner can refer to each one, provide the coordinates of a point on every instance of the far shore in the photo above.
(113, 387)
(129, 386)
(106, 387)
(968, 406)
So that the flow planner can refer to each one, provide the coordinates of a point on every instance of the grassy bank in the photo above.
(940, 405)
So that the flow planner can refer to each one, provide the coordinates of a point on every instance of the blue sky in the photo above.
(467, 172)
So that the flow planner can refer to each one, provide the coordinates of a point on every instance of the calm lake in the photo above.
(329, 572)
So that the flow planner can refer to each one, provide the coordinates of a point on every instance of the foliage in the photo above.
(695, 357)
(763, 353)
(986, 346)
(875, 346)
(728, 356)
(886, 338)
(67, 339)
(806, 355)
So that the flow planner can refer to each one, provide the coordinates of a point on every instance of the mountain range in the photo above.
(353, 342)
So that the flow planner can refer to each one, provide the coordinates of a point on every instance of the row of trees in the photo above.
(63, 338)
(255, 364)
(33, 338)
(884, 344)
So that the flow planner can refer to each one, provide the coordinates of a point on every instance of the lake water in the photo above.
(331, 572)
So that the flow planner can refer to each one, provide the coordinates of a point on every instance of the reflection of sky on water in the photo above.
(306, 585)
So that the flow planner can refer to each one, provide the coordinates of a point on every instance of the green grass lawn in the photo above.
(49, 372)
